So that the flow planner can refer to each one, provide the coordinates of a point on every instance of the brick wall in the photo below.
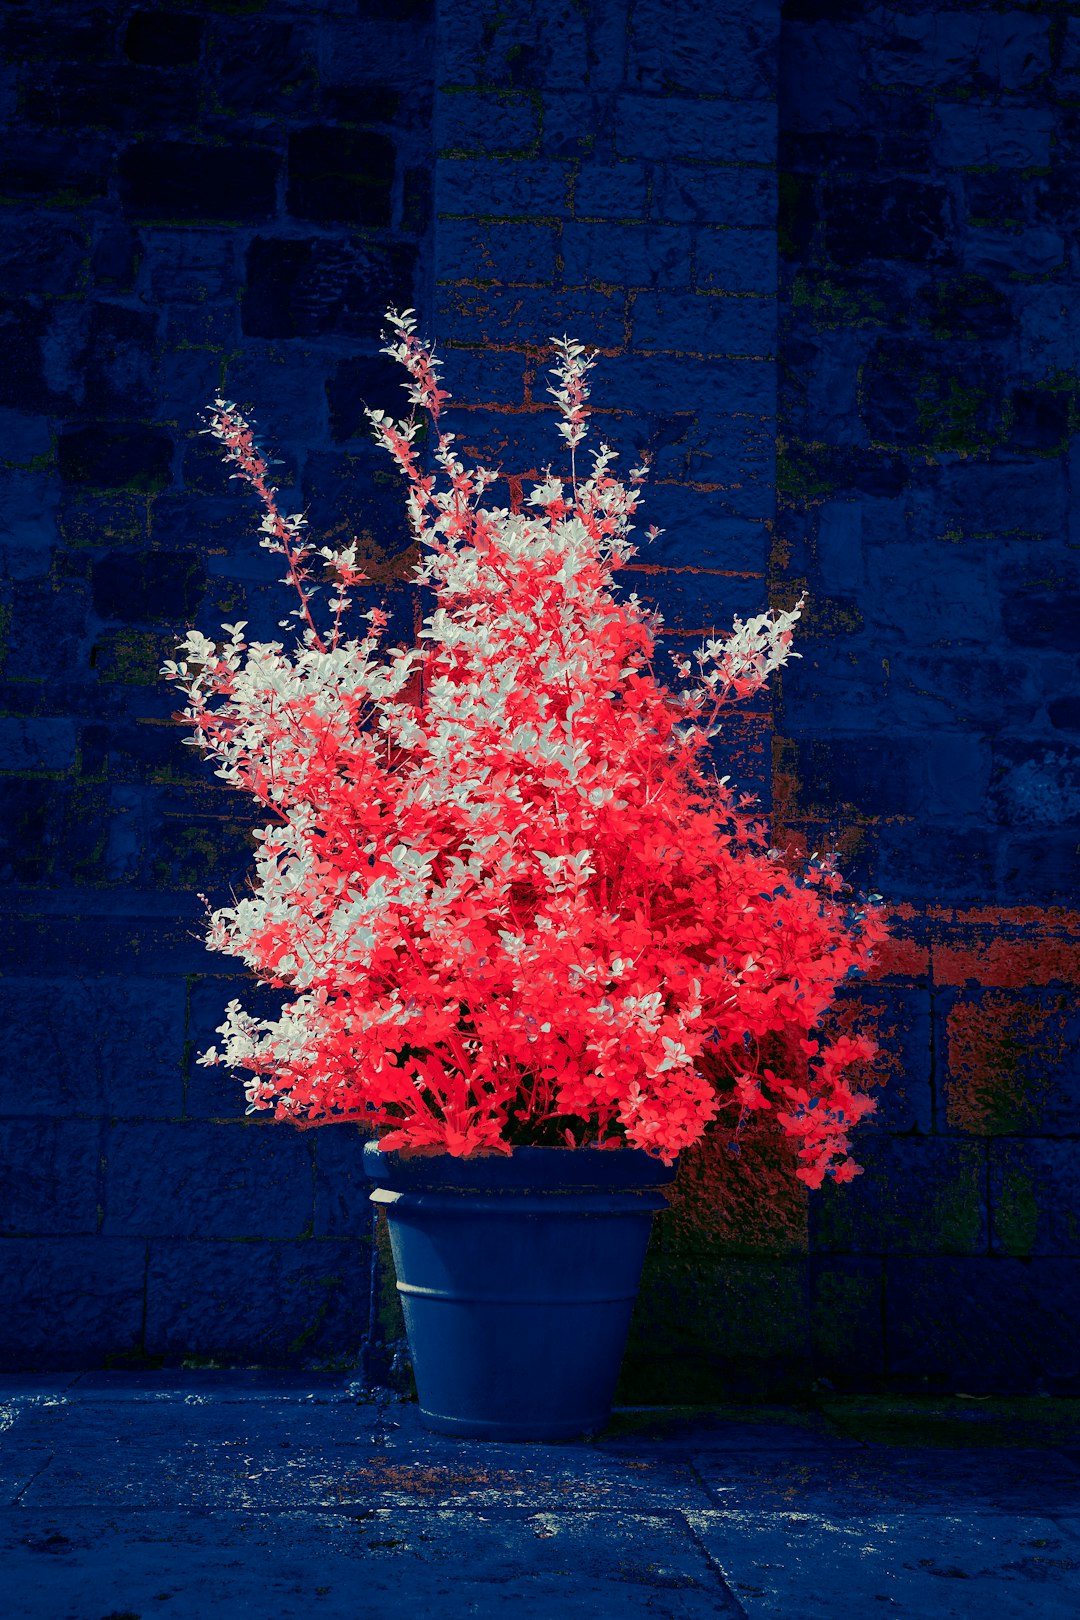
(194, 198)
(928, 419)
(223, 197)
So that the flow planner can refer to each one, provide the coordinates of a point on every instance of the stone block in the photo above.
(496, 317)
(736, 261)
(971, 135)
(729, 457)
(31, 814)
(715, 195)
(626, 255)
(70, 38)
(149, 585)
(855, 681)
(117, 360)
(1034, 1197)
(27, 441)
(499, 188)
(1040, 601)
(36, 745)
(527, 46)
(63, 165)
(1040, 419)
(611, 191)
(50, 1176)
(253, 61)
(847, 1321)
(650, 383)
(416, 201)
(189, 265)
(183, 180)
(196, 1179)
(294, 380)
(934, 594)
(923, 863)
(906, 220)
(917, 1195)
(71, 1302)
(1010, 1060)
(28, 528)
(897, 776)
(24, 384)
(693, 604)
(1043, 867)
(697, 324)
(521, 444)
(342, 1206)
(497, 378)
(1035, 784)
(301, 287)
(42, 253)
(500, 123)
(897, 1018)
(114, 258)
(105, 96)
(163, 39)
(1001, 498)
(693, 50)
(745, 1323)
(111, 1046)
(522, 255)
(213, 326)
(1064, 713)
(698, 531)
(910, 394)
(929, 689)
(131, 657)
(983, 1325)
(662, 127)
(358, 494)
(1007, 253)
(117, 455)
(267, 1304)
(363, 381)
(1008, 50)
(822, 75)
(339, 176)
(736, 1196)
(370, 104)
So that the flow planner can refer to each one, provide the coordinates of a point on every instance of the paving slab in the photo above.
(809, 1566)
(901, 1480)
(382, 1564)
(201, 1492)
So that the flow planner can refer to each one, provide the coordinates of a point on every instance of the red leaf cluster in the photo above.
(503, 890)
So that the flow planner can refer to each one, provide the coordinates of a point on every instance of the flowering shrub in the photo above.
(506, 896)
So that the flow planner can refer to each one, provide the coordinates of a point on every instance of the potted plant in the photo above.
(527, 939)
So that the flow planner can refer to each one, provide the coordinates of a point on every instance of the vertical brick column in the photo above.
(608, 171)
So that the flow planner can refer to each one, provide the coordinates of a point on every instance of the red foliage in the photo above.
(507, 897)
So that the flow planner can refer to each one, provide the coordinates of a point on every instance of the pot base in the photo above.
(523, 1431)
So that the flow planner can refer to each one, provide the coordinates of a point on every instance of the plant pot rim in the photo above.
(526, 1169)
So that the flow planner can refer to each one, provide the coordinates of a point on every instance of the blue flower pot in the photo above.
(517, 1277)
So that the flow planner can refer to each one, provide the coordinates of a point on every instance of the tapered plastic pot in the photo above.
(517, 1278)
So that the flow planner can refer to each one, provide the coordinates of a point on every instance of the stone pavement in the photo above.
(198, 1494)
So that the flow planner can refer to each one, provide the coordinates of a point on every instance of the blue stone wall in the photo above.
(195, 198)
(928, 418)
(226, 196)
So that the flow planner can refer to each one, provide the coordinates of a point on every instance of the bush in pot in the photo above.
(509, 903)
